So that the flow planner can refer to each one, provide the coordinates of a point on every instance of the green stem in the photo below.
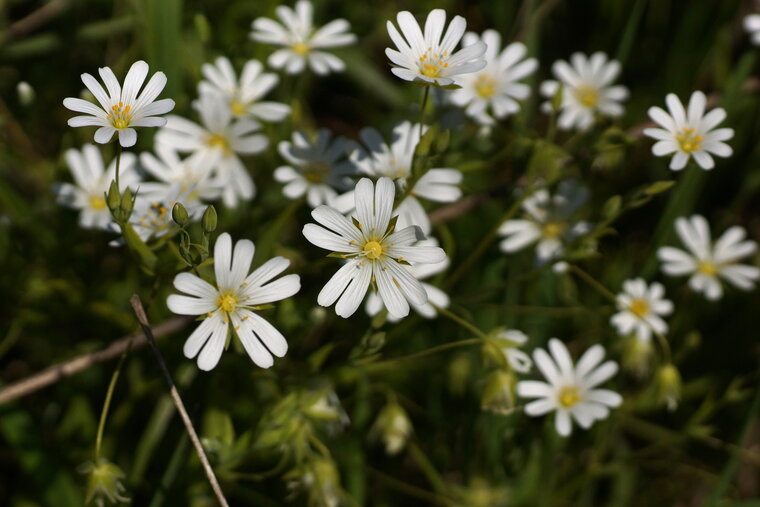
(427, 352)
(118, 165)
(462, 322)
(439, 486)
(107, 402)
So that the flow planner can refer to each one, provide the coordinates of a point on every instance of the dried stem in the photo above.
(143, 320)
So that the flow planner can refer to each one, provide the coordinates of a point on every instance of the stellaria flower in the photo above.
(122, 109)
(374, 251)
(234, 299)
(152, 213)
(243, 95)
(92, 182)
(318, 167)
(709, 262)
(218, 142)
(586, 90)
(301, 42)
(510, 340)
(641, 308)
(689, 134)
(427, 58)
(170, 170)
(495, 88)
(570, 390)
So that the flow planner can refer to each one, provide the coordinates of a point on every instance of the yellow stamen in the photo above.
(373, 250)
(552, 229)
(639, 307)
(689, 141)
(300, 48)
(227, 301)
(587, 95)
(97, 202)
(315, 172)
(485, 86)
(219, 140)
(569, 396)
(707, 268)
(237, 107)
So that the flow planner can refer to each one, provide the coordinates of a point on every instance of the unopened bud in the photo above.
(394, 427)
(638, 356)
(669, 386)
(114, 197)
(25, 93)
(104, 482)
(498, 394)
(557, 98)
(179, 214)
(127, 202)
(208, 221)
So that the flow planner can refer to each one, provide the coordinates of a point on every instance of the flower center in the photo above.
(689, 140)
(219, 141)
(485, 86)
(552, 229)
(155, 218)
(120, 116)
(237, 107)
(97, 202)
(300, 48)
(569, 396)
(315, 172)
(432, 64)
(373, 250)
(587, 95)
(707, 268)
(639, 307)
(227, 301)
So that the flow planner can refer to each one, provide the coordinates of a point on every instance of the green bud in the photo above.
(498, 394)
(557, 98)
(127, 202)
(113, 198)
(638, 356)
(669, 386)
(208, 221)
(103, 482)
(393, 427)
(179, 214)
(202, 27)
(25, 93)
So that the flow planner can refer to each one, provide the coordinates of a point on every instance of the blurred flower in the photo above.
(509, 341)
(708, 263)
(752, 26)
(152, 214)
(319, 479)
(218, 143)
(497, 86)
(429, 59)
(638, 356)
(393, 427)
(669, 386)
(548, 222)
(122, 109)
(91, 184)
(374, 249)
(190, 173)
(640, 309)
(324, 405)
(236, 293)
(302, 43)
(498, 394)
(395, 161)
(586, 90)
(104, 482)
(570, 390)
(480, 493)
(25, 93)
(320, 167)
(242, 96)
(689, 134)
(436, 297)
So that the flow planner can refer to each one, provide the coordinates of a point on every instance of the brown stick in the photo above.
(55, 373)
(143, 320)
(35, 20)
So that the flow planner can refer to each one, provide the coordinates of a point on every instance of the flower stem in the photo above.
(462, 322)
(107, 402)
(119, 150)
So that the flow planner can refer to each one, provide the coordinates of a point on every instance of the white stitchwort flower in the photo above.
(233, 299)
(122, 109)
(152, 214)
(395, 161)
(586, 90)
(192, 175)
(218, 143)
(752, 26)
(709, 262)
(548, 222)
(689, 133)
(318, 167)
(496, 88)
(374, 250)
(428, 58)
(640, 309)
(301, 42)
(243, 95)
(92, 182)
(436, 297)
(570, 390)
(509, 340)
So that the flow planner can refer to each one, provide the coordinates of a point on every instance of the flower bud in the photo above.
(25, 93)
(499, 393)
(208, 221)
(179, 214)
(394, 427)
(127, 202)
(638, 356)
(669, 386)
(103, 482)
(113, 198)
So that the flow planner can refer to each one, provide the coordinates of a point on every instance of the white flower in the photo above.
(640, 309)
(509, 340)
(689, 134)
(708, 263)
(320, 167)
(92, 183)
(586, 90)
(496, 88)
(218, 143)
(548, 222)
(570, 390)
(152, 213)
(243, 96)
(436, 297)
(374, 250)
(428, 58)
(752, 26)
(170, 170)
(122, 109)
(231, 300)
(301, 42)
(395, 161)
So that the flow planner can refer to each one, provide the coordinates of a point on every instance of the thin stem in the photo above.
(408, 489)
(427, 468)
(119, 150)
(143, 320)
(427, 352)
(107, 402)
(462, 322)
